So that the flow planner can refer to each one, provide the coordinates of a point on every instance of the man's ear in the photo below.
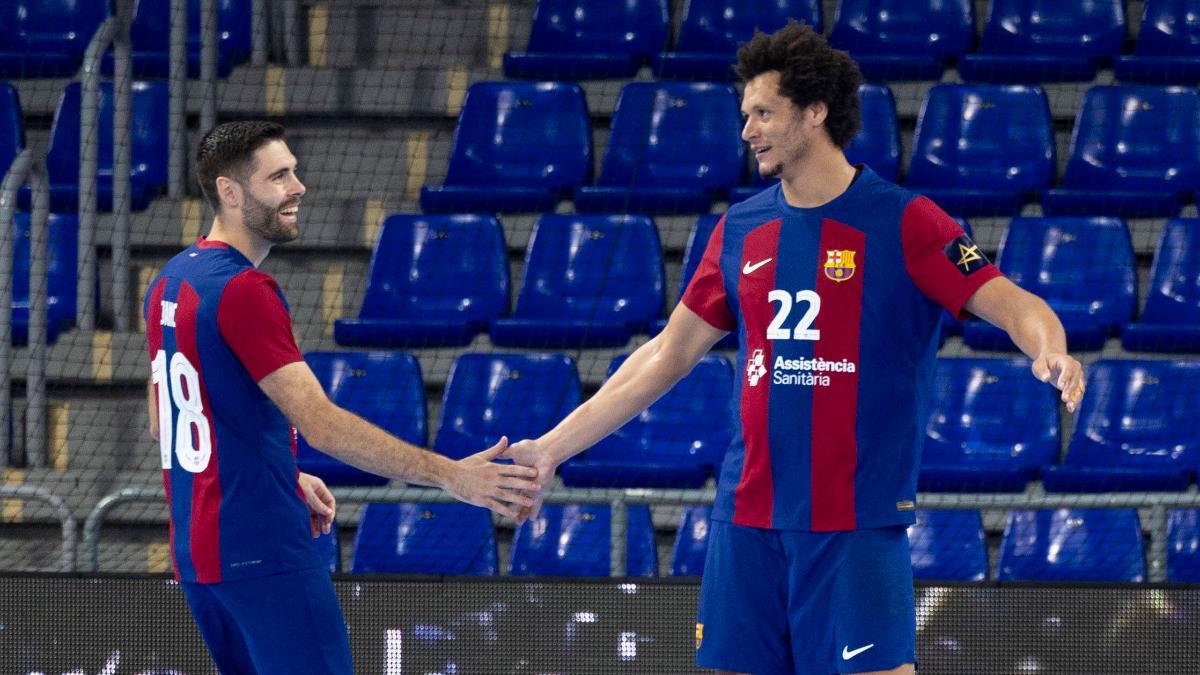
(817, 112)
(229, 191)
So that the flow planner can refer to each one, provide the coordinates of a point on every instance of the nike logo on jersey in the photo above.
(848, 653)
(750, 268)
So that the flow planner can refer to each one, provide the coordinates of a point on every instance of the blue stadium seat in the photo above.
(149, 148)
(691, 542)
(12, 126)
(1082, 267)
(573, 541)
(712, 31)
(1136, 429)
(982, 150)
(948, 545)
(1168, 45)
(590, 39)
(331, 550)
(903, 39)
(1032, 41)
(991, 426)
(589, 281)
(1135, 152)
(677, 443)
(62, 276)
(385, 388)
(491, 395)
(425, 539)
(1072, 545)
(47, 38)
(674, 147)
(1170, 321)
(434, 281)
(1183, 546)
(519, 146)
(150, 32)
(877, 143)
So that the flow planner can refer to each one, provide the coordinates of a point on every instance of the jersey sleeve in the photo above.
(940, 258)
(254, 322)
(705, 294)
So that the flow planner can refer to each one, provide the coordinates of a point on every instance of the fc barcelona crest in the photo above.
(839, 265)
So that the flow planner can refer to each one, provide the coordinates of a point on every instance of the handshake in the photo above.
(514, 490)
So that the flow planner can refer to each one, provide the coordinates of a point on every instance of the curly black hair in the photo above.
(810, 71)
(228, 150)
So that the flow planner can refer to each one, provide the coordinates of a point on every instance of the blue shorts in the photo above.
(283, 623)
(775, 601)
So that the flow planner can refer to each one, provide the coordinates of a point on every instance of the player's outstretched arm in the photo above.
(476, 480)
(645, 376)
(1036, 330)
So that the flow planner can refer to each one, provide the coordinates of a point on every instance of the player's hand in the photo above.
(531, 453)
(322, 507)
(503, 488)
(1063, 372)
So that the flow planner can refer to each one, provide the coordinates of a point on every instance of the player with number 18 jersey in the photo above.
(215, 326)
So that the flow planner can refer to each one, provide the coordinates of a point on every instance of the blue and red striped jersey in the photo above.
(838, 311)
(215, 326)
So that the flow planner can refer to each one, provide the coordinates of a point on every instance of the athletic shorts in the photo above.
(282, 623)
(808, 603)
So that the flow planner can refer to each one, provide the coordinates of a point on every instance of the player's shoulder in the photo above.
(879, 192)
(755, 210)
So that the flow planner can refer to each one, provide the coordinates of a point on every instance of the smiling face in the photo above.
(272, 193)
(778, 131)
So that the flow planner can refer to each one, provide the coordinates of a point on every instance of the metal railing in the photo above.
(114, 32)
(26, 167)
(69, 525)
(1155, 529)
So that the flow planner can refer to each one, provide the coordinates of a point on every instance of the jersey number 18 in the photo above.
(178, 388)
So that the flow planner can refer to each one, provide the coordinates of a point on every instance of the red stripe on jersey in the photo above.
(835, 407)
(754, 496)
(705, 294)
(154, 342)
(206, 485)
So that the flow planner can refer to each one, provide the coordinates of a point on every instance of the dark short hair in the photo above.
(228, 150)
(810, 71)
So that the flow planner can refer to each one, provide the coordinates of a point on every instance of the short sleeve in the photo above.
(940, 258)
(255, 323)
(705, 294)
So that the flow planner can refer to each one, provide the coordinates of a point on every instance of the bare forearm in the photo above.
(1035, 329)
(356, 441)
(644, 377)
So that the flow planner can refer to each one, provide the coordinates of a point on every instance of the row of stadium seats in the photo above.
(1090, 545)
(992, 427)
(148, 141)
(523, 146)
(595, 280)
(979, 150)
(1022, 41)
(48, 38)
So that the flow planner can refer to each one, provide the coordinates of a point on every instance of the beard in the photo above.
(263, 219)
(771, 171)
